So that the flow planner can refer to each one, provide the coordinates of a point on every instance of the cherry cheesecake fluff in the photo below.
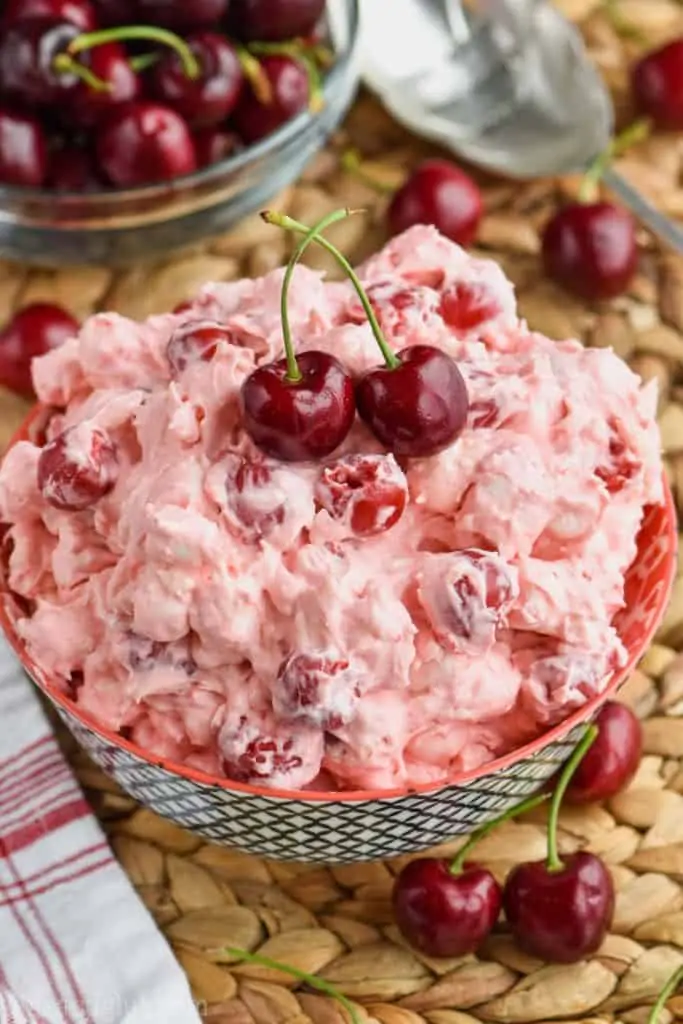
(363, 620)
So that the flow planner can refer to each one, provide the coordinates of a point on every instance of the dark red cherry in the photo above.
(195, 341)
(611, 762)
(417, 408)
(78, 468)
(560, 915)
(444, 914)
(31, 332)
(116, 12)
(274, 20)
(80, 13)
(303, 420)
(440, 194)
(590, 249)
(214, 144)
(290, 85)
(110, 63)
(181, 15)
(29, 52)
(72, 169)
(23, 149)
(465, 306)
(143, 142)
(209, 99)
(657, 85)
(368, 493)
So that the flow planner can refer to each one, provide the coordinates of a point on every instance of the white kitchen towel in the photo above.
(76, 944)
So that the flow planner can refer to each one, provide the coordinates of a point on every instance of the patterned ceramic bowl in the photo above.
(363, 825)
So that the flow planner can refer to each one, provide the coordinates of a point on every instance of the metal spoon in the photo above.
(507, 85)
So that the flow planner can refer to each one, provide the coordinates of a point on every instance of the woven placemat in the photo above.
(337, 921)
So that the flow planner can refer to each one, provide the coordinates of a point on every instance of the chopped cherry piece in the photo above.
(291, 89)
(438, 193)
(657, 82)
(590, 249)
(23, 150)
(306, 419)
(484, 413)
(195, 341)
(256, 503)
(252, 756)
(214, 144)
(611, 762)
(32, 331)
(142, 142)
(417, 408)
(147, 654)
(320, 688)
(209, 99)
(444, 914)
(274, 21)
(78, 468)
(622, 466)
(390, 303)
(465, 306)
(80, 13)
(466, 595)
(367, 492)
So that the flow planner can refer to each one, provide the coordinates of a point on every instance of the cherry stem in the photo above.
(310, 979)
(64, 64)
(668, 990)
(142, 61)
(553, 862)
(149, 33)
(352, 161)
(293, 371)
(458, 862)
(636, 132)
(255, 75)
(296, 51)
(289, 224)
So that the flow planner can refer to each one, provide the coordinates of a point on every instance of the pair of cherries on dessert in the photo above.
(303, 406)
(558, 909)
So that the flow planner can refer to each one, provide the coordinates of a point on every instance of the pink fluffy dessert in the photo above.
(355, 623)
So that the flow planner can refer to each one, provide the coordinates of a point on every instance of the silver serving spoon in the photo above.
(506, 84)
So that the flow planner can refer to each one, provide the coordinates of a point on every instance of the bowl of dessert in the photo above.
(333, 571)
(129, 128)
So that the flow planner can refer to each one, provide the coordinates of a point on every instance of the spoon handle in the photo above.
(645, 212)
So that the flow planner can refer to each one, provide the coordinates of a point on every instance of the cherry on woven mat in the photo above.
(560, 909)
(31, 332)
(77, 468)
(449, 908)
(611, 762)
(657, 85)
(441, 194)
(590, 249)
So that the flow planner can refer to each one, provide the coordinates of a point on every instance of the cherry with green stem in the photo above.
(560, 909)
(589, 246)
(417, 403)
(448, 909)
(319, 984)
(669, 989)
(300, 407)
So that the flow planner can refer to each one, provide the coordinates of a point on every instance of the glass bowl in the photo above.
(126, 225)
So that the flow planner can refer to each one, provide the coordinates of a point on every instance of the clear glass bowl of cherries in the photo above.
(129, 128)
